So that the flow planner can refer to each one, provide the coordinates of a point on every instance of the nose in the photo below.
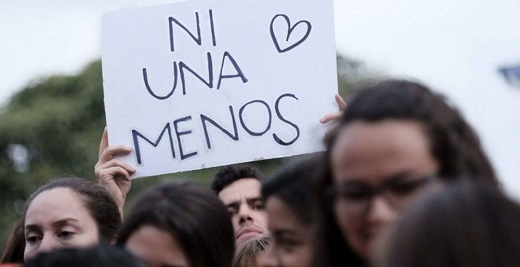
(48, 243)
(244, 214)
(381, 213)
(267, 258)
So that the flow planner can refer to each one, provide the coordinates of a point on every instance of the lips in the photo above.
(248, 232)
(368, 238)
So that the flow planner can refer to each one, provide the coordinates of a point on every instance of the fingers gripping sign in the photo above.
(112, 173)
(335, 116)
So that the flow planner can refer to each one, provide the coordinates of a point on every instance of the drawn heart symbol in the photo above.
(295, 42)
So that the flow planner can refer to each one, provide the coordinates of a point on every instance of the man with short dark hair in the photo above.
(239, 187)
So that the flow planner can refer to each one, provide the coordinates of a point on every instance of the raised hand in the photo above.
(334, 116)
(112, 173)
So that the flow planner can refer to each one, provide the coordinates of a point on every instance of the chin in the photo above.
(362, 249)
(247, 236)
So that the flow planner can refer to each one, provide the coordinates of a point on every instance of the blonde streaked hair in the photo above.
(247, 253)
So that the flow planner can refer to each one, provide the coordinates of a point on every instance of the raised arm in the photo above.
(113, 174)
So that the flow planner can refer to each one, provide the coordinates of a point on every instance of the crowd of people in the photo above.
(403, 181)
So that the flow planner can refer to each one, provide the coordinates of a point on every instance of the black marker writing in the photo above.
(279, 115)
(198, 37)
(183, 70)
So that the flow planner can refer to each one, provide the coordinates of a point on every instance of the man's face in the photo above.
(246, 207)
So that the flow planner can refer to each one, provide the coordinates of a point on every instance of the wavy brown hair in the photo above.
(465, 224)
(453, 143)
(192, 215)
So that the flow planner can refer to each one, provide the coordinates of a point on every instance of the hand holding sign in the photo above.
(336, 115)
(303, 25)
(111, 173)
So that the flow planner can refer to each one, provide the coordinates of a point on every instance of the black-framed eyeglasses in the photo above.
(355, 196)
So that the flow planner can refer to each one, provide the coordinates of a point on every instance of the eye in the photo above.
(32, 238)
(65, 235)
(286, 244)
(232, 211)
(258, 205)
(406, 187)
(354, 192)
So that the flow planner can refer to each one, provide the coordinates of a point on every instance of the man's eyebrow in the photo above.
(233, 204)
(254, 199)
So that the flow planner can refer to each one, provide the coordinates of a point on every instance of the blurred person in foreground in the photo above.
(465, 224)
(393, 139)
(179, 223)
(291, 217)
(101, 255)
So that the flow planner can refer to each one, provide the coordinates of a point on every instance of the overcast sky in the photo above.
(454, 46)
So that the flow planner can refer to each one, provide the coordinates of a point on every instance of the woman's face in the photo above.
(291, 239)
(58, 218)
(377, 167)
(156, 247)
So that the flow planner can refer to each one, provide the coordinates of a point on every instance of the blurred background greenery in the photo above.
(52, 128)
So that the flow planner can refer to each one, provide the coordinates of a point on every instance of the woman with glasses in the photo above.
(394, 139)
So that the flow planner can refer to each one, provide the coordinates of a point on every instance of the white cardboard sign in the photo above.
(197, 84)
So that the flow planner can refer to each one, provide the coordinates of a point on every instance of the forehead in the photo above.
(280, 214)
(55, 204)
(240, 190)
(381, 149)
(281, 220)
(156, 247)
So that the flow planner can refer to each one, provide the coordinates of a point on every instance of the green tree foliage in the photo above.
(52, 129)
(353, 73)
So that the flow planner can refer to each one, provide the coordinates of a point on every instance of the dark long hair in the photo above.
(15, 244)
(465, 224)
(453, 143)
(100, 255)
(292, 183)
(192, 215)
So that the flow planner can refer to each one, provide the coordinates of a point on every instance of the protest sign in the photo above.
(197, 84)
